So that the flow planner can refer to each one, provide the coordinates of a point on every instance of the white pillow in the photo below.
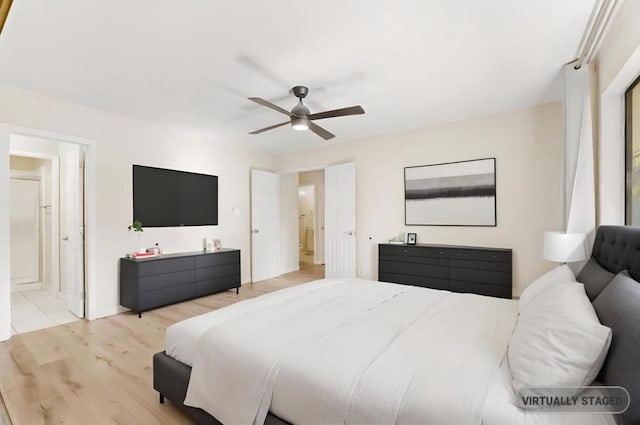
(570, 297)
(558, 340)
(557, 275)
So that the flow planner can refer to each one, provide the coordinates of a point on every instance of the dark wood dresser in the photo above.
(171, 278)
(484, 271)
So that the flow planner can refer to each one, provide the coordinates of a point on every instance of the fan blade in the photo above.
(262, 130)
(321, 131)
(270, 105)
(342, 112)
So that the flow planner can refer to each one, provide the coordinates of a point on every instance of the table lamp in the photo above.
(564, 247)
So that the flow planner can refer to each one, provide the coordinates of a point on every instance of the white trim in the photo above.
(24, 175)
(302, 170)
(22, 287)
(291, 270)
(611, 180)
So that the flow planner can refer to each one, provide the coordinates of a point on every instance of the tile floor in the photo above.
(32, 310)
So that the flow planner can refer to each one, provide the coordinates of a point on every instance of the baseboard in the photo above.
(106, 312)
(290, 270)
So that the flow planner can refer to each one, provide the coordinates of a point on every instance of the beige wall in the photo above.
(120, 142)
(23, 163)
(311, 177)
(526, 145)
(618, 65)
(622, 39)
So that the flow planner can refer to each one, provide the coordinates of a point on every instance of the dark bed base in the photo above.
(171, 378)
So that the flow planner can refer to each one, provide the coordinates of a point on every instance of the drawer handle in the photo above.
(441, 253)
(406, 251)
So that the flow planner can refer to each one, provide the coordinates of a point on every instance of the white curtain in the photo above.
(578, 200)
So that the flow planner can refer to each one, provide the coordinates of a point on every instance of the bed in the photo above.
(241, 389)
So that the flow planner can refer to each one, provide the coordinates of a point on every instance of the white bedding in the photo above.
(499, 408)
(380, 360)
(182, 337)
(353, 351)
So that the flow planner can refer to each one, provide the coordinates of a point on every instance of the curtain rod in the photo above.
(599, 22)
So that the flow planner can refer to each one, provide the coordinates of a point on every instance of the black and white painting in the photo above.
(451, 194)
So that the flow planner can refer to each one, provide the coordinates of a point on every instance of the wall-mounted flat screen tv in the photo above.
(170, 198)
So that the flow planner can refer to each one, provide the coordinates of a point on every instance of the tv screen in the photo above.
(169, 198)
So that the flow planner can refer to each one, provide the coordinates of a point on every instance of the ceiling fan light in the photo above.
(299, 123)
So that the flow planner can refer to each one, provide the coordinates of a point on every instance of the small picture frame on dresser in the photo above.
(412, 238)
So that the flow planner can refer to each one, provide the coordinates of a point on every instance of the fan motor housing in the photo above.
(300, 91)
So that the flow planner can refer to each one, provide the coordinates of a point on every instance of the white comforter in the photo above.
(351, 352)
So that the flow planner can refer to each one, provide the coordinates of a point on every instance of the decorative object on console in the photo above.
(398, 239)
(217, 244)
(412, 238)
(451, 194)
(136, 226)
(564, 247)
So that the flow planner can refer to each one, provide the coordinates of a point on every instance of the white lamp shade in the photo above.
(564, 247)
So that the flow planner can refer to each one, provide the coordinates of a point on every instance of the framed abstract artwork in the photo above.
(451, 194)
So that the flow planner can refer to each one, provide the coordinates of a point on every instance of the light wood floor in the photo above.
(100, 372)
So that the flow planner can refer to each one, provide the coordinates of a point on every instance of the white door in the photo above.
(71, 231)
(265, 225)
(340, 220)
(25, 230)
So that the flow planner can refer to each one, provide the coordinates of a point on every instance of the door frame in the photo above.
(90, 243)
(315, 185)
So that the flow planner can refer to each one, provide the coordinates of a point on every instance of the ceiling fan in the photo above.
(301, 118)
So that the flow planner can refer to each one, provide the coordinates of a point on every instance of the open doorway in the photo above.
(46, 233)
(311, 218)
(306, 224)
(310, 222)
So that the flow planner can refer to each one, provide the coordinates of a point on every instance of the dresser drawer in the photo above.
(151, 283)
(412, 251)
(210, 286)
(480, 289)
(217, 259)
(161, 265)
(425, 282)
(481, 254)
(166, 296)
(481, 265)
(211, 272)
(481, 276)
(415, 269)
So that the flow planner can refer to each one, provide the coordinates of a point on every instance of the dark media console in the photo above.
(483, 271)
(154, 282)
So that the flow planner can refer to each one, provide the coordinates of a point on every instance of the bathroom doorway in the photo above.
(306, 225)
(311, 217)
(46, 233)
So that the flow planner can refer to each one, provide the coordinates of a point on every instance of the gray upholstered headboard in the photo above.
(611, 279)
(617, 248)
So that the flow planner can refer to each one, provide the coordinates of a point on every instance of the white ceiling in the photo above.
(192, 64)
